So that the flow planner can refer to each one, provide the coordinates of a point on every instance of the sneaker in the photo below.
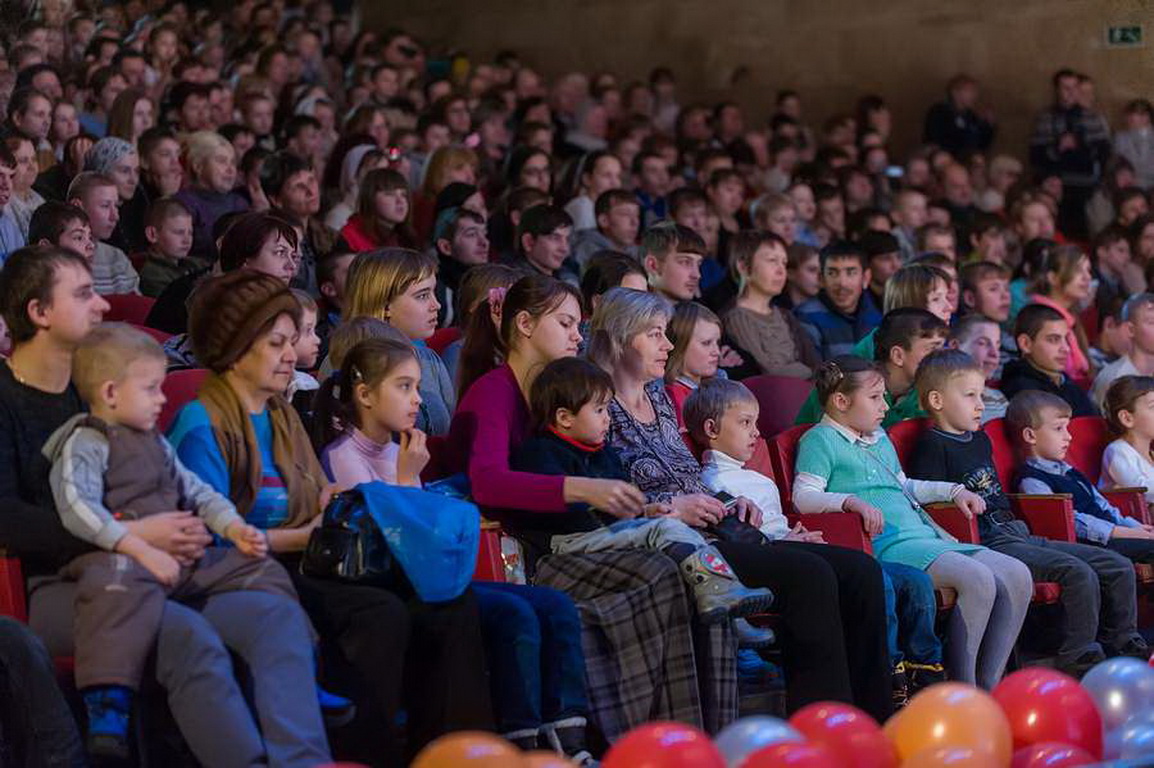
(901, 686)
(109, 709)
(922, 676)
(1083, 664)
(754, 638)
(525, 740)
(336, 710)
(718, 593)
(1135, 648)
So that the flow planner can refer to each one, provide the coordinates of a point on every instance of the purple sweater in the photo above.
(491, 421)
(207, 206)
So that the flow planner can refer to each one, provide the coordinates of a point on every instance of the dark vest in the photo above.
(1073, 483)
(140, 479)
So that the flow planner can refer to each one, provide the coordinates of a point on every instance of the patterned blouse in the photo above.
(655, 454)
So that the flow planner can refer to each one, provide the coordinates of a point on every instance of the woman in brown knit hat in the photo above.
(244, 439)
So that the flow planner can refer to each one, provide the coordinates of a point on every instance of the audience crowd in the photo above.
(449, 278)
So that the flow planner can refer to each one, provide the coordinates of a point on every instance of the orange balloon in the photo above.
(951, 715)
(539, 758)
(469, 749)
(952, 757)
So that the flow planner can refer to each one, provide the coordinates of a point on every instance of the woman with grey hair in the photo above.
(119, 160)
(829, 654)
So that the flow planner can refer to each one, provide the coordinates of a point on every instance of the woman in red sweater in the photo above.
(633, 603)
(382, 217)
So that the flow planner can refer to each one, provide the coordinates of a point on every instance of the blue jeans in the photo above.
(533, 643)
(911, 607)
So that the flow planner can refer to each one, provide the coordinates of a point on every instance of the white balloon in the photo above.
(1121, 688)
(741, 738)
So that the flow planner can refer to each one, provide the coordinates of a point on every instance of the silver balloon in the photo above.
(1121, 688)
(741, 738)
(1129, 737)
(1136, 740)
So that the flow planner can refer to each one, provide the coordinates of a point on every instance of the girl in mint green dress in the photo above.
(847, 463)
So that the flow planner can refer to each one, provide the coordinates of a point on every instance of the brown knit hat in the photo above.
(229, 313)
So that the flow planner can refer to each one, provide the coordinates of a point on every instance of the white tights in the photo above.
(994, 592)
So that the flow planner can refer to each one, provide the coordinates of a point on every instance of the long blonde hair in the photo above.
(377, 278)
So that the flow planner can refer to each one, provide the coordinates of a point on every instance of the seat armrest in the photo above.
(1050, 516)
(1131, 502)
(841, 528)
(956, 523)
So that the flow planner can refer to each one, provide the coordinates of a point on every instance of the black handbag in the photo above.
(733, 530)
(348, 546)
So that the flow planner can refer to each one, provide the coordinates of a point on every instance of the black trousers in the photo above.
(390, 654)
(36, 726)
(832, 603)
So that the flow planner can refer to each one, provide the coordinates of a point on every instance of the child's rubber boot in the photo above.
(718, 593)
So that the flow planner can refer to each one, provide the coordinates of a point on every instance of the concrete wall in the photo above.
(831, 50)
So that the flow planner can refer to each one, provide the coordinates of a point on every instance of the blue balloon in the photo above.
(741, 738)
(1121, 688)
(1136, 740)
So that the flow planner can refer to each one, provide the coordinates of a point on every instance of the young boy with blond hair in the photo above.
(1098, 615)
(109, 467)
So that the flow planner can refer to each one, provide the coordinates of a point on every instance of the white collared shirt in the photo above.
(721, 472)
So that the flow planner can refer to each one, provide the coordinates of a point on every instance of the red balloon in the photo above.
(1050, 754)
(664, 745)
(793, 754)
(1047, 706)
(850, 734)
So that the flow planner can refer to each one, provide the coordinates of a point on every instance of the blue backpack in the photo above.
(392, 536)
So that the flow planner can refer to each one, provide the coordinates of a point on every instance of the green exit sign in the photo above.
(1124, 36)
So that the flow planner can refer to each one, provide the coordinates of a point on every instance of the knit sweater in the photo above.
(29, 525)
(491, 421)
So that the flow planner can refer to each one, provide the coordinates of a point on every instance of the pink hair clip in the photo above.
(497, 297)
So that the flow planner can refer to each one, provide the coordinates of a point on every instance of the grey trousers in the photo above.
(653, 533)
(1098, 602)
(268, 633)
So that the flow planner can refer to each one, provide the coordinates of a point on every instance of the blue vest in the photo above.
(1073, 483)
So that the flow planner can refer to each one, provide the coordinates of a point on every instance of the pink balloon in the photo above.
(1051, 754)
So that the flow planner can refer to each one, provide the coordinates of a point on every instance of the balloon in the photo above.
(1135, 739)
(1043, 705)
(951, 715)
(1051, 754)
(952, 757)
(539, 758)
(1120, 688)
(664, 745)
(743, 737)
(850, 734)
(473, 749)
(791, 754)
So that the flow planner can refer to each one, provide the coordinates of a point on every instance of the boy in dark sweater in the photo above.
(1098, 587)
(570, 399)
(1042, 336)
(1039, 423)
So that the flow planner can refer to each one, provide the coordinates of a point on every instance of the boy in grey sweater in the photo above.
(110, 467)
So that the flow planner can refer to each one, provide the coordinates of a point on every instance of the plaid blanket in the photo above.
(639, 637)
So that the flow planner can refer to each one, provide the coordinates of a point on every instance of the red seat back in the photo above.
(780, 399)
(904, 435)
(181, 388)
(1090, 437)
(12, 600)
(128, 308)
(160, 336)
(783, 455)
(1005, 457)
(442, 338)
